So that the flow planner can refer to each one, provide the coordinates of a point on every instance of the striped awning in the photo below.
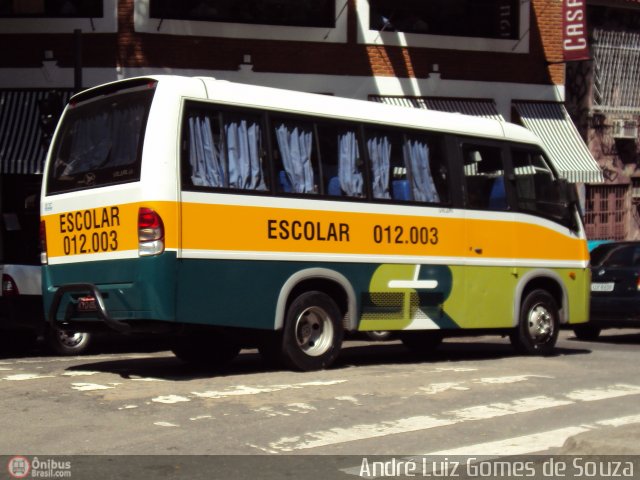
(21, 148)
(570, 155)
(469, 106)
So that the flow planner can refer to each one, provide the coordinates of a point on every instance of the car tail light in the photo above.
(9, 287)
(150, 232)
(44, 259)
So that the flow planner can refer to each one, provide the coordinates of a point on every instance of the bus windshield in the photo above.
(100, 142)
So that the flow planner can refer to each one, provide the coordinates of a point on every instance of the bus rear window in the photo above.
(100, 142)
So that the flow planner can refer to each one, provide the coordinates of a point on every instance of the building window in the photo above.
(607, 211)
(460, 18)
(468, 25)
(322, 21)
(635, 190)
(51, 8)
(615, 47)
(296, 13)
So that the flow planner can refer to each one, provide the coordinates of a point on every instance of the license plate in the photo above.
(602, 287)
(87, 304)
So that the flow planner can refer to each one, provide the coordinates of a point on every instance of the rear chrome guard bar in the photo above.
(101, 309)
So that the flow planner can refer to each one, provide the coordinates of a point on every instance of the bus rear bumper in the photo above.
(122, 295)
(92, 301)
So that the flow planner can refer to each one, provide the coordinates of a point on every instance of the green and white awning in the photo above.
(21, 147)
(478, 107)
(569, 153)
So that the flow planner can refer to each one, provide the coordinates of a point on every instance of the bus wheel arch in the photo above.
(330, 282)
(540, 309)
(314, 309)
(542, 279)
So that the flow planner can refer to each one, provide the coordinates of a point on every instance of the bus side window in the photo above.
(484, 178)
(428, 171)
(535, 188)
(341, 160)
(224, 150)
(294, 158)
(244, 152)
(388, 171)
(202, 163)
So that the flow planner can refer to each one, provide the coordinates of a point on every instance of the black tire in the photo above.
(587, 332)
(538, 326)
(421, 341)
(379, 335)
(312, 335)
(207, 350)
(65, 343)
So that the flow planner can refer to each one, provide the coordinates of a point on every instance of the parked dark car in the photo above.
(615, 289)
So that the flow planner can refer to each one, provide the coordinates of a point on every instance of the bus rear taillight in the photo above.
(43, 243)
(150, 232)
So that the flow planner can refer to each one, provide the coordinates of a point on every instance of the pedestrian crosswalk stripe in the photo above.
(340, 435)
(526, 444)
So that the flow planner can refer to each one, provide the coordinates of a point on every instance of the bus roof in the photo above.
(231, 93)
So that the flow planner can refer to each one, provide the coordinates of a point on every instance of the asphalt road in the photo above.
(473, 397)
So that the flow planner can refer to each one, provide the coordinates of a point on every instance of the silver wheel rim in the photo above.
(540, 324)
(70, 339)
(314, 331)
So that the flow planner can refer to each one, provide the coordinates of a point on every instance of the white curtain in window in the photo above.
(380, 156)
(126, 130)
(204, 156)
(350, 177)
(243, 154)
(295, 148)
(90, 144)
(417, 155)
(108, 139)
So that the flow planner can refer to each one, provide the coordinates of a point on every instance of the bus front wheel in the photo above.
(313, 332)
(537, 330)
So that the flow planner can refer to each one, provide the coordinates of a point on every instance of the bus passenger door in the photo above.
(489, 259)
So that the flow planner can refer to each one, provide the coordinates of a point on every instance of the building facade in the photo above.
(603, 96)
(497, 58)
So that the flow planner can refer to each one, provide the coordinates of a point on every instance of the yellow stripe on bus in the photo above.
(269, 229)
(104, 229)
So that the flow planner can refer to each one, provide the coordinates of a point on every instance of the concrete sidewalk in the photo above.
(623, 440)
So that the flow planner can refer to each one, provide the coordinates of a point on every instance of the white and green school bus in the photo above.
(236, 216)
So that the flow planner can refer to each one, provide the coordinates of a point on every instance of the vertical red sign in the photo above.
(574, 30)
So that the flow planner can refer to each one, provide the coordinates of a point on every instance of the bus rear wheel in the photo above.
(312, 335)
(208, 350)
(537, 330)
(67, 343)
